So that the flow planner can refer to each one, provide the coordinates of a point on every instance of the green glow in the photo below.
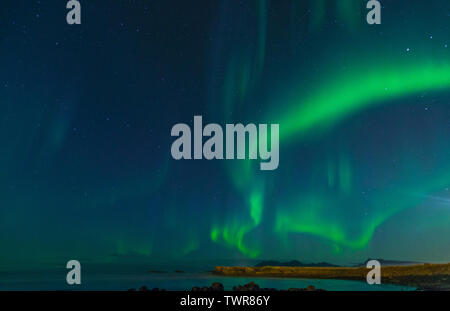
(342, 98)
(310, 215)
(125, 247)
(215, 232)
(190, 246)
(347, 11)
(318, 12)
(256, 207)
(343, 94)
(348, 94)
(315, 223)
(234, 231)
(243, 71)
(233, 236)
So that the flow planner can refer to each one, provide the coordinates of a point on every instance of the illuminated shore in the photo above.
(422, 276)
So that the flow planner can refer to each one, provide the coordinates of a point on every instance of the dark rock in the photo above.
(217, 287)
(250, 287)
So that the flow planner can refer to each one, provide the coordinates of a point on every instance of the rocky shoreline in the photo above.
(422, 277)
(218, 287)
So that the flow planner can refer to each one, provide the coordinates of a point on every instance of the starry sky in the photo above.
(86, 114)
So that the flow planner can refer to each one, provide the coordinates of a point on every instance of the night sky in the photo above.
(86, 114)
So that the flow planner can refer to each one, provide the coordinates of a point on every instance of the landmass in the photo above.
(293, 263)
(296, 263)
(420, 276)
(157, 271)
(385, 262)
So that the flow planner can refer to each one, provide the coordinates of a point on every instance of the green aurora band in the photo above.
(345, 96)
(349, 94)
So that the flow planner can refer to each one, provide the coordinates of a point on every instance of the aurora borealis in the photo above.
(364, 115)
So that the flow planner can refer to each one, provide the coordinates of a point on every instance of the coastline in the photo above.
(421, 276)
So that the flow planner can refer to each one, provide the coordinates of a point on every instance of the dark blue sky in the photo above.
(85, 166)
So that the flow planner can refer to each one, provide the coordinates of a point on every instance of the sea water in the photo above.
(134, 276)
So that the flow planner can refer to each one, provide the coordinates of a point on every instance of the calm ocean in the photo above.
(126, 277)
